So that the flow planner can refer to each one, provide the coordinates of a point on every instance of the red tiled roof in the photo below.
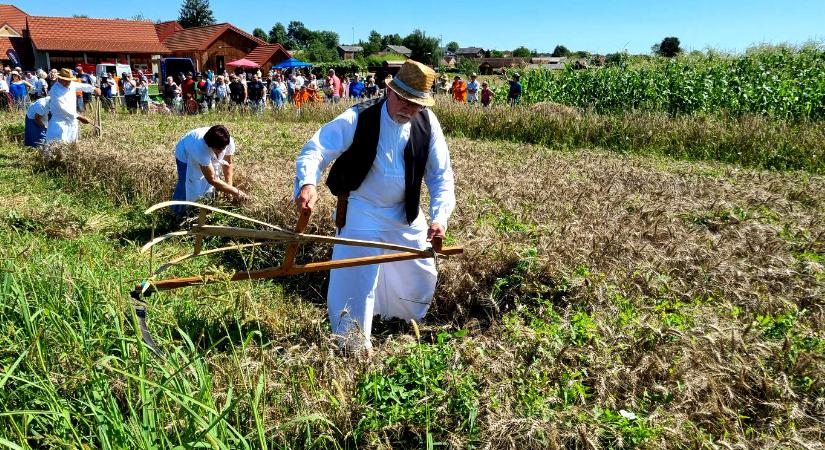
(200, 38)
(263, 53)
(14, 17)
(166, 29)
(94, 35)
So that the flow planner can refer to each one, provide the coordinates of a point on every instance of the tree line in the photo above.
(321, 45)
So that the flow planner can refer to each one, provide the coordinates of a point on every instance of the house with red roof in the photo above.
(67, 41)
(58, 42)
(13, 43)
(211, 46)
(268, 55)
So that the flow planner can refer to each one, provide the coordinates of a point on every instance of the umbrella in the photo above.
(292, 62)
(244, 64)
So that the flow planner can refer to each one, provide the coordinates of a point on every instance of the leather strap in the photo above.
(341, 211)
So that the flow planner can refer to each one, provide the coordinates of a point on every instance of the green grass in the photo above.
(594, 306)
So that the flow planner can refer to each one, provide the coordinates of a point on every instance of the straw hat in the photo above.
(413, 83)
(65, 74)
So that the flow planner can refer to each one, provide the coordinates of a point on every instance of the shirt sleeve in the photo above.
(327, 144)
(83, 87)
(438, 174)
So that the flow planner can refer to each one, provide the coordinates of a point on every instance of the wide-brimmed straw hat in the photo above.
(65, 74)
(413, 83)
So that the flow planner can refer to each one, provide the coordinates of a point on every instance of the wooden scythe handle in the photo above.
(292, 249)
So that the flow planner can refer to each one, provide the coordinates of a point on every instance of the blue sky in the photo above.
(598, 26)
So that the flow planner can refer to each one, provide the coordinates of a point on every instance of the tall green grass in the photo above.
(778, 82)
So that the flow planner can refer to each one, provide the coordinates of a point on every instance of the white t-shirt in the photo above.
(4, 87)
(192, 150)
(40, 108)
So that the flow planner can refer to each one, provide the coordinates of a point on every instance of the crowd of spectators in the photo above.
(255, 91)
(193, 93)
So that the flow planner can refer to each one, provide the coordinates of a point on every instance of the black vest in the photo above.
(352, 167)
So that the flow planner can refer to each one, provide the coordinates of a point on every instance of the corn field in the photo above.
(777, 82)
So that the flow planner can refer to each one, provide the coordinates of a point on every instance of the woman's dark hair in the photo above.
(217, 137)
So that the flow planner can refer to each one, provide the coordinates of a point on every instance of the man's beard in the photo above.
(401, 119)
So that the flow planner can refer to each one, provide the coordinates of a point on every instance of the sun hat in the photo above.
(473, 75)
(65, 74)
(413, 83)
(14, 72)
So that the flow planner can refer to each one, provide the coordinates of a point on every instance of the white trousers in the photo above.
(402, 289)
(62, 129)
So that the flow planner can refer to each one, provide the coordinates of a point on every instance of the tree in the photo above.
(521, 52)
(423, 47)
(327, 38)
(391, 39)
(277, 35)
(668, 48)
(372, 45)
(195, 13)
(260, 34)
(452, 46)
(139, 17)
(317, 52)
(495, 54)
(298, 34)
(560, 51)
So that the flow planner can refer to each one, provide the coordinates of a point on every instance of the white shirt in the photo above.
(63, 100)
(40, 108)
(192, 150)
(299, 81)
(378, 204)
(4, 86)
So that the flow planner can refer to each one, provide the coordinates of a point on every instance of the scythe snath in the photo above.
(272, 236)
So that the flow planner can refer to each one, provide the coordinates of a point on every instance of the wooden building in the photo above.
(349, 51)
(268, 56)
(211, 46)
(488, 66)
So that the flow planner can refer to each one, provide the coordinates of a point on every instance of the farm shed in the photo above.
(349, 51)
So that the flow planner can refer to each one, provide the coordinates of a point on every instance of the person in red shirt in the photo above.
(486, 94)
(187, 87)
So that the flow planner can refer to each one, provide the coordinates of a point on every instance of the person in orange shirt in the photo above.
(459, 90)
(299, 97)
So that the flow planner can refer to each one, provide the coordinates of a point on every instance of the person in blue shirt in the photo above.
(514, 94)
(36, 118)
(84, 99)
(356, 87)
(19, 90)
(106, 92)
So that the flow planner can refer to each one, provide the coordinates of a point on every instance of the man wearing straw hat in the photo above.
(63, 107)
(383, 149)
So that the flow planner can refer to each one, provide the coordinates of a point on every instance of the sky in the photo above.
(598, 26)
